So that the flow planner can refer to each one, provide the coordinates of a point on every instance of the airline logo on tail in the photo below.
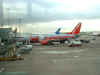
(76, 30)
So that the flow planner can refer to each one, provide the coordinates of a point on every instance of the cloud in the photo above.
(47, 10)
(37, 11)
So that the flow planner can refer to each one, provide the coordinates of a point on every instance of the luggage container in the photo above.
(75, 43)
(19, 43)
(25, 48)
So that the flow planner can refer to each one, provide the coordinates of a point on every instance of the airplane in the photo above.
(35, 37)
(58, 37)
(44, 40)
(95, 34)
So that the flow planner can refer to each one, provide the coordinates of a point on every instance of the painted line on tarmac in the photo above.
(61, 52)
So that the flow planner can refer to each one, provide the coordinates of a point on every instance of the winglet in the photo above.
(58, 31)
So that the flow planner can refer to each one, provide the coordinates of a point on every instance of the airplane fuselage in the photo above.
(54, 37)
(39, 38)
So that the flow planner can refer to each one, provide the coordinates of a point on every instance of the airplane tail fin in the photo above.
(76, 30)
(58, 31)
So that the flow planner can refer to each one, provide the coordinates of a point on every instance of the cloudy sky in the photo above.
(43, 16)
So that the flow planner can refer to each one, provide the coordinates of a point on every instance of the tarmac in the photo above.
(58, 60)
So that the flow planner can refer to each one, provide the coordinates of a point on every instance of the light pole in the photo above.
(8, 9)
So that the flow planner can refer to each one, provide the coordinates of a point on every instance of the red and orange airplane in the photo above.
(58, 37)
